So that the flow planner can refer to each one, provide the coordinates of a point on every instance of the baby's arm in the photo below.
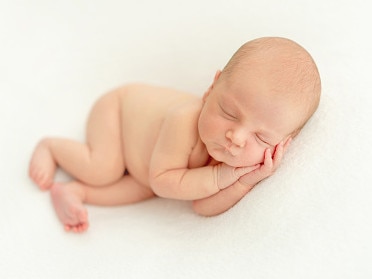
(228, 197)
(190, 184)
(170, 176)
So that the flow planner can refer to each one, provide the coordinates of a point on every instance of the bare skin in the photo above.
(113, 189)
(69, 198)
(68, 203)
(211, 151)
(42, 166)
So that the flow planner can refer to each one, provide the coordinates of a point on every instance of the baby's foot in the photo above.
(42, 166)
(68, 204)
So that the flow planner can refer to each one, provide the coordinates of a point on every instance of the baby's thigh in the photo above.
(104, 125)
(104, 131)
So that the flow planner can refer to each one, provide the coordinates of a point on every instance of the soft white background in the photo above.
(311, 220)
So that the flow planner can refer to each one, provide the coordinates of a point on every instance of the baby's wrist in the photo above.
(217, 177)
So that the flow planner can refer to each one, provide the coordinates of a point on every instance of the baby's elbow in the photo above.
(201, 210)
(156, 187)
(160, 186)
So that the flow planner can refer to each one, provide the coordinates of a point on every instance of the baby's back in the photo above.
(143, 110)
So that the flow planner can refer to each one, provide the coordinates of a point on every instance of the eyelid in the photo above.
(225, 112)
(262, 140)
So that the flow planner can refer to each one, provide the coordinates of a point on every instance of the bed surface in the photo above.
(312, 219)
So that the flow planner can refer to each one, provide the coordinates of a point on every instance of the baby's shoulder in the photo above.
(155, 96)
(154, 104)
(185, 112)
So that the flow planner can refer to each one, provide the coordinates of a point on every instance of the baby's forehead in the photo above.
(253, 82)
(294, 81)
(248, 96)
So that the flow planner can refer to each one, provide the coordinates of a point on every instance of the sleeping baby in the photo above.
(144, 141)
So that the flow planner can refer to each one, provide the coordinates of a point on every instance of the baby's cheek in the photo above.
(254, 156)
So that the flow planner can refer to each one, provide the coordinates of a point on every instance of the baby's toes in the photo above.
(67, 228)
(80, 228)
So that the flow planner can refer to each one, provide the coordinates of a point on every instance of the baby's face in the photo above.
(240, 120)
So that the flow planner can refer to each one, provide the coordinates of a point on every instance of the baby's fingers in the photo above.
(264, 170)
(279, 151)
(268, 160)
(267, 167)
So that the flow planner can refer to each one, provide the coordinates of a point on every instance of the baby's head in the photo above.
(265, 94)
(284, 69)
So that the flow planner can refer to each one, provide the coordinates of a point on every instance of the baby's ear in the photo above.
(216, 77)
(206, 94)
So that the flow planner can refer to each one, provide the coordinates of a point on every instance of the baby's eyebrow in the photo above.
(231, 104)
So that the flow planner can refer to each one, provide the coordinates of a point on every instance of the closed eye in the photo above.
(259, 138)
(229, 115)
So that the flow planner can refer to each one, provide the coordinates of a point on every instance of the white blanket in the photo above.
(312, 219)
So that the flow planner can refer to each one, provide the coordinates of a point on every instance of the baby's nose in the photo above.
(237, 138)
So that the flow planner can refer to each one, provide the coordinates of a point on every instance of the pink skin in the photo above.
(232, 141)
(231, 124)
(67, 199)
(245, 183)
(268, 167)
(42, 166)
(68, 204)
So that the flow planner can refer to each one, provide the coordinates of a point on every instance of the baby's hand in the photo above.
(268, 167)
(227, 175)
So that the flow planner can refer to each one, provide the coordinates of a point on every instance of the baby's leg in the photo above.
(42, 165)
(68, 199)
(98, 162)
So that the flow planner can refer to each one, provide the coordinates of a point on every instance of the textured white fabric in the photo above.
(311, 220)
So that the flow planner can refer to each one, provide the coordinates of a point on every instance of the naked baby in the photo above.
(144, 141)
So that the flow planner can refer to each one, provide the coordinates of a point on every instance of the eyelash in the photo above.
(232, 117)
(227, 114)
(261, 140)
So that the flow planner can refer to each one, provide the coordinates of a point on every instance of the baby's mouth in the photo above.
(230, 149)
